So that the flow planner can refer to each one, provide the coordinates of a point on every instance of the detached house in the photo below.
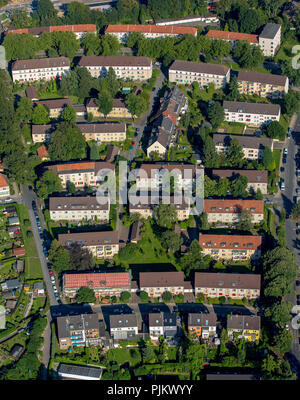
(202, 325)
(156, 283)
(162, 324)
(246, 326)
(4, 186)
(123, 327)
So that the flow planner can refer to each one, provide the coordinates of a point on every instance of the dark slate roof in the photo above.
(251, 108)
(191, 66)
(202, 319)
(123, 321)
(270, 79)
(76, 203)
(251, 322)
(80, 370)
(76, 322)
(249, 142)
(269, 31)
(40, 63)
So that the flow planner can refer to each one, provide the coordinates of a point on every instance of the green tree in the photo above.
(245, 221)
(275, 131)
(210, 155)
(167, 297)
(59, 257)
(279, 312)
(233, 90)
(24, 110)
(40, 115)
(105, 103)
(235, 154)
(238, 187)
(171, 241)
(283, 341)
(46, 13)
(91, 44)
(259, 195)
(165, 215)
(215, 114)
(81, 259)
(137, 105)
(19, 18)
(69, 114)
(124, 297)
(71, 187)
(49, 183)
(144, 296)
(147, 354)
(195, 354)
(296, 212)
(85, 295)
(94, 152)
(109, 45)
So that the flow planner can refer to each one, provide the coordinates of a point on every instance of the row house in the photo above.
(145, 207)
(100, 132)
(255, 114)
(40, 69)
(187, 72)
(78, 331)
(231, 247)
(101, 245)
(256, 179)
(229, 285)
(4, 186)
(121, 32)
(163, 135)
(229, 211)
(54, 106)
(247, 327)
(79, 30)
(162, 324)
(103, 283)
(252, 146)
(78, 209)
(261, 84)
(123, 327)
(202, 325)
(173, 105)
(125, 67)
(156, 283)
(119, 109)
(268, 40)
(82, 173)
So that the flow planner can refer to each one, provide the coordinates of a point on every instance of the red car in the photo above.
(132, 142)
(50, 273)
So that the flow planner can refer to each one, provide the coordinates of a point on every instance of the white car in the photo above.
(285, 150)
(52, 279)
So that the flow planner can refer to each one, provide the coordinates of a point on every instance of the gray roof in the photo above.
(162, 319)
(38, 285)
(17, 351)
(240, 322)
(227, 280)
(76, 322)
(31, 92)
(270, 31)
(80, 370)
(201, 319)
(238, 376)
(76, 203)
(251, 108)
(114, 61)
(54, 104)
(253, 175)
(123, 321)
(13, 220)
(162, 279)
(42, 129)
(249, 142)
(12, 284)
(89, 238)
(271, 79)
(205, 68)
(40, 63)
(109, 127)
(135, 233)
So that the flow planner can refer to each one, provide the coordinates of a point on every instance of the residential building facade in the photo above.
(55, 106)
(264, 85)
(187, 72)
(257, 179)
(102, 245)
(125, 67)
(270, 39)
(103, 283)
(162, 324)
(247, 327)
(231, 247)
(123, 327)
(79, 30)
(40, 69)
(119, 110)
(255, 114)
(4, 186)
(155, 284)
(202, 325)
(229, 285)
(229, 211)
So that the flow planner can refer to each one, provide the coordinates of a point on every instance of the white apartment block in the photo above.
(187, 72)
(40, 69)
(78, 209)
(256, 114)
(125, 67)
(146, 209)
(270, 39)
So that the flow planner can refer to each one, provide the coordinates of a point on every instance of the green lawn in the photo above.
(121, 356)
(33, 268)
(284, 52)
(277, 155)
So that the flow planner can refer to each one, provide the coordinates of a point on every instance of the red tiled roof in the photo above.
(170, 29)
(58, 28)
(233, 206)
(70, 167)
(238, 242)
(224, 35)
(19, 251)
(3, 181)
(97, 280)
(42, 152)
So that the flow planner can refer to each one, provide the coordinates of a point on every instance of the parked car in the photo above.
(284, 160)
(297, 283)
(285, 151)
(282, 185)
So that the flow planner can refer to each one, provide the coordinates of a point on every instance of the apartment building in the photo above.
(253, 114)
(100, 132)
(253, 147)
(235, 286)
(123, 327)
(229, 211)
(145, 207)
(187, 72)
(202, 325)
(256, 179)
(121, 32)
(78, 330)
(82, 173)
(55, 106)
(79, 30)
(102, 245)
(40, 69)
(231, 247)
(4, 186)
(163, 134)
(173, 105)
(103, 283)
(125, 67)
(156, 283)
(78, 209)
(264, 85)
(162, 324)
(119, 109)
(270, 39)
(245, 326)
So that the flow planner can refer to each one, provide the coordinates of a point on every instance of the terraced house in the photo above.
(55, 106)
(229, 211)
(245, 326)
(119, 109)
(253, 114)
(256, 179)
(102, 245)
(162, 324)
(103, 283)
(40, 69)
(155, 284)
(187, 72)
(252, 146)
(121, 32)
(78, 209)
(202, 325)
(235, 286)
(127, 67)
(123, 327)
(78, 330)
(264, 85)
(82, 173)
(231, 247)
(79, 30)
